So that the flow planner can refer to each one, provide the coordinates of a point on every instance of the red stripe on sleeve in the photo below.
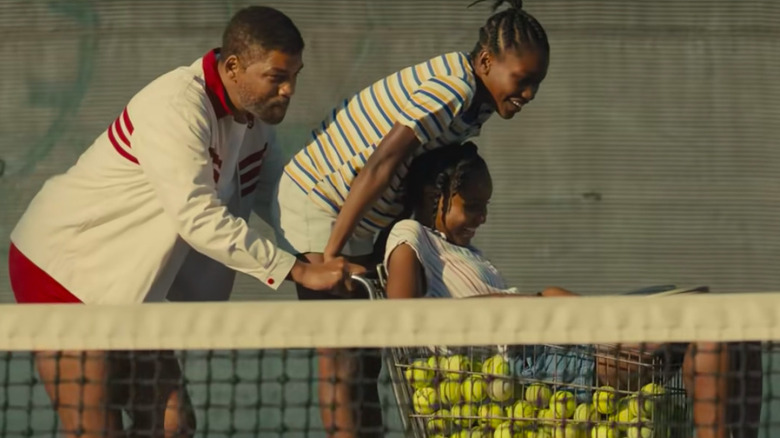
(120, 133)
(247, 176)
(249, 189)
(119, 148)
(254, 158)
(128, 123)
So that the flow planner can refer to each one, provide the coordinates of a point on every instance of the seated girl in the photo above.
(447, 192)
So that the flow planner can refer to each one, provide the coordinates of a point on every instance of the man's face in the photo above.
(265, 86)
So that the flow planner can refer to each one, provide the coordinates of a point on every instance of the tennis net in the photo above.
(606, 367)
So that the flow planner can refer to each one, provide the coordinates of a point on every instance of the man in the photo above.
(161, 199)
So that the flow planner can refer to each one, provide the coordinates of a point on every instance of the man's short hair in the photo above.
(259, 29)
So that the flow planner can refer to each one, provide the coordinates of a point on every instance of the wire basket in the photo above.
(538, 391)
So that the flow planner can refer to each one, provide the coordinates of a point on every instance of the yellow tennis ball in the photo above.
(496, 366)
(464, 415)
(440, 422)
(487, 364)
(567, 431)
(586, 412)
(505, 430)
(418, 375)
(538, 433)
(623, 417)
(538, 394)
(491, 415)
(546, 417)
(522, 413)
(640, 406)
(449, 392)
(604, 399)
(602, 431)
(472, 433)
(425, 400)
(639, 432)
(563, 404)
(649, 395)
(455, 367)
(501, 390)
(653, 389)
(436, 362)
(474, 389)
(621, 403)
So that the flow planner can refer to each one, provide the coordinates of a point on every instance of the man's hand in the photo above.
(333, 274)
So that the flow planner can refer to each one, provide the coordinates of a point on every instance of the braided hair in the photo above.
(444, 171)
(512, 28)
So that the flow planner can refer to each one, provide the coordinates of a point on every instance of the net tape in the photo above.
(392, 323)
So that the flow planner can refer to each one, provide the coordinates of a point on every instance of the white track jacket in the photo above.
(158, 203)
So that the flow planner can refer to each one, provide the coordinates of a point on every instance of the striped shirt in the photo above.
(431, 98)
(451, 271)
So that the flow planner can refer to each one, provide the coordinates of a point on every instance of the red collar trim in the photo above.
(214, 88)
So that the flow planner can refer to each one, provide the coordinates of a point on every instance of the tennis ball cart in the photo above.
(538, 391)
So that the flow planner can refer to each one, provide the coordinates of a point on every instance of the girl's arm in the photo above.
(426, 116)
(369, 184)
(405, 277)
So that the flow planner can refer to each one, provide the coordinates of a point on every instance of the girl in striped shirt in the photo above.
(342, 188)
(447, 193)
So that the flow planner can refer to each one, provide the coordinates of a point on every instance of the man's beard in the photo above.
(271, 111)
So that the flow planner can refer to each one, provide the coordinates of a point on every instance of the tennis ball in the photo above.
(586, 412)
(567, 431)
(418, 375)
(538, 394)
(504, 430)
(563, 404)
(522, 413)
(501, 390)
(621, 403)
(623, 417)
(640, 407)
(454, 367)
(424, 400)
(464, 415)
(449, 392)
(649, 395)
(602, 431)
(473, 389)
(604, 400)
(474, 433)
(653, 389)
(546, 417)
(496, 366)
(538, 433)
(639, 432)
(440, 422)
(436, 362)
(491, 415)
